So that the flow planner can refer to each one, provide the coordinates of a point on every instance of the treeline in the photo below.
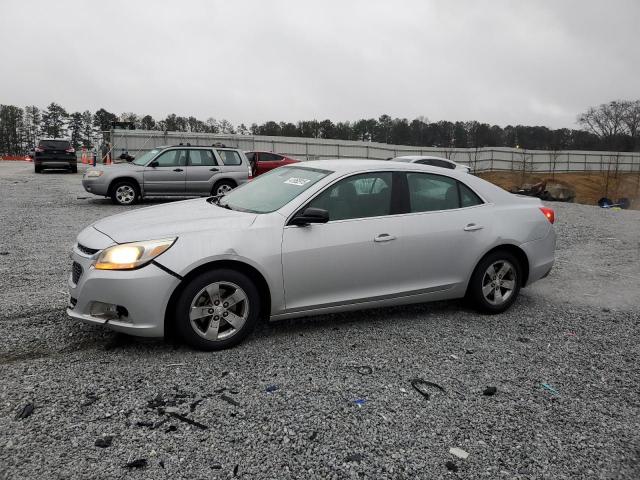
(612, 126)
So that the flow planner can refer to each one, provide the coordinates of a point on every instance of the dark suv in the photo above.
(55, 153)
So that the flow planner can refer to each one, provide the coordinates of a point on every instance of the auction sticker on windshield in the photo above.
(297, 181)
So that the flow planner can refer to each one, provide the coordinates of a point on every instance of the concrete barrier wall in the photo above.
(481, 159)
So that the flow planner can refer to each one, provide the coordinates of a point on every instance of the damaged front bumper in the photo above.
(127, 301)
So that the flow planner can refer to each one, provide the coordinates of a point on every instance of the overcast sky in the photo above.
(504, 62)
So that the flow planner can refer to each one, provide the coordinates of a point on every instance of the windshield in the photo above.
(145, 157)
(273, 190)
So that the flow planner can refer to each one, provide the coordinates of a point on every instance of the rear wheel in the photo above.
(74, 169)
(217, 310)
(38, 168)
(222, 187)
(495, 283)
(125, 193)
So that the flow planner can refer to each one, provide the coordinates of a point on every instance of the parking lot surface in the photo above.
(328, 396)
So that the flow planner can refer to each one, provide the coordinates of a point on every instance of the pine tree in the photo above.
(75, 129)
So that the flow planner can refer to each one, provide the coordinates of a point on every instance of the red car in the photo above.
(262, 162)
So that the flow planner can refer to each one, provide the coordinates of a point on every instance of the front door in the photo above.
(347, 259)
(169, 176)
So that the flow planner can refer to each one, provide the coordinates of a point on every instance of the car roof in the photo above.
(352, 165)
(422, 157)
(184, 145)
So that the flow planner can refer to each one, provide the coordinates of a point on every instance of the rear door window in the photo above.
(270, 157)
(201, 158)
(468, 197)
(428, 192)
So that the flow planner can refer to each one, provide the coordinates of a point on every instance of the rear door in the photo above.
(233, 165)
(446, 229)
(169, 176)
(202, 170)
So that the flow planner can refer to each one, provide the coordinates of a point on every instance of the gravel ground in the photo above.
(325, 397)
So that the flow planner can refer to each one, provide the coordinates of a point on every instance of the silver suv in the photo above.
(180, 170)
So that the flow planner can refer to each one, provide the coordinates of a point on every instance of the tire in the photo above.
(125, 193)
(482, 288)
(38, 168)
(222, 187)
(74, 169)
(224, 284)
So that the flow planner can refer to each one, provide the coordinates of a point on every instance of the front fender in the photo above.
(260, 248)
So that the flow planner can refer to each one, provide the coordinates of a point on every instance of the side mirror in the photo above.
(153, 164)
(310, 215)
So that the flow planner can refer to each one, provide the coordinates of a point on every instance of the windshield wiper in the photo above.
(216, 200)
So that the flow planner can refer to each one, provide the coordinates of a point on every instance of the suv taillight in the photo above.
(70, 150)
(549, 213)
(38, 149)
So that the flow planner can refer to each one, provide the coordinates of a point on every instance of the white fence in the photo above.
(481, 159)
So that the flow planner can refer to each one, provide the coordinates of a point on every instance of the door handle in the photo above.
(177, 169)
(472, 227)
(214, 169)
(384, 237)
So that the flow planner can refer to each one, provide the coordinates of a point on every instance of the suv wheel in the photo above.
(495, 283)
(37, 168)
(74, 169)
(125, 193)
(217, 309)
(222, 187)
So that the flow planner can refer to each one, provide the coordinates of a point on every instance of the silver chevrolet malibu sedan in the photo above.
(313, 238)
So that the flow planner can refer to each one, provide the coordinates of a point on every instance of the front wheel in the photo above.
(125, 193)
(217, 310)
(495, 283)
(38, 168)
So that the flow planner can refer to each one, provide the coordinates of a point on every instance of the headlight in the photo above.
(132, 255)
(94, 173)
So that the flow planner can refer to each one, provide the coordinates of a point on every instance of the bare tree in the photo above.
(631, 117)
(607, 120)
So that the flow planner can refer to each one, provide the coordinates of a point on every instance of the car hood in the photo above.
(173, 219)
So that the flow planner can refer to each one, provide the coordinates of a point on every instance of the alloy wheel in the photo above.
(499, 282)
(125, 194)
(219, 311)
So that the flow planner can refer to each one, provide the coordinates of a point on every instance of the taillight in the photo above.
(70, 150)
(549, 213)
(38, 149)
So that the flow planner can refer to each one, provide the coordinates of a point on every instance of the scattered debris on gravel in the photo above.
(309, 408)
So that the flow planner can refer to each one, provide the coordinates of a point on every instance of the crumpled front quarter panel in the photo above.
(259, 245)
